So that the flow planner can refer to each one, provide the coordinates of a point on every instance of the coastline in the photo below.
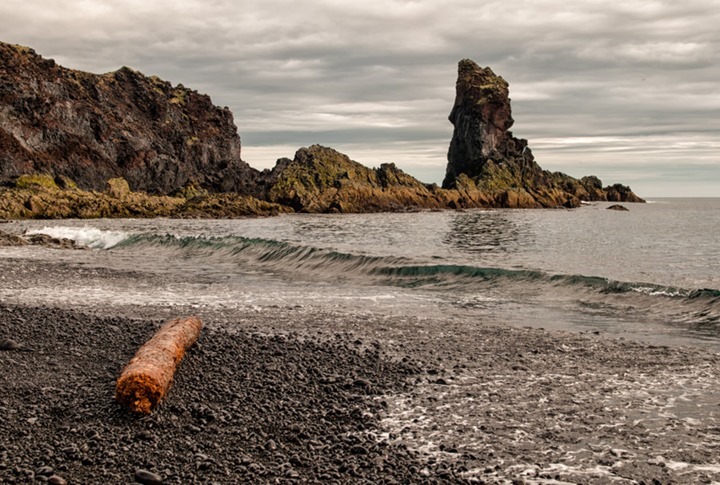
(325, 395)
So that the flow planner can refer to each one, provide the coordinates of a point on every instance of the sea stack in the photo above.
(484, 155)
(482, 117)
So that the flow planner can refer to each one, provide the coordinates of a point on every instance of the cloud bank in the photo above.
(626, 92)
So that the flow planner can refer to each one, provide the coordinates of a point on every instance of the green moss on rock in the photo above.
(36, 180)
(118, 188)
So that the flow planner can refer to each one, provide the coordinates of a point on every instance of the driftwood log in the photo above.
(148, 376)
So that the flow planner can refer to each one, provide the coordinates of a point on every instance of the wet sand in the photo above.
(307, 393)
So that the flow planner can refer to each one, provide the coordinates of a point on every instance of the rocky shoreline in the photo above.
(244, 407)
(314, 394)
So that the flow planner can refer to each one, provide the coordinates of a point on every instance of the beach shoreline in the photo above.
(378, 397)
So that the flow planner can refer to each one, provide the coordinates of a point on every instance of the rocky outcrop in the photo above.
(320, 179)
(484, 150)
(7, 239)
(91, 128)
(39, 197)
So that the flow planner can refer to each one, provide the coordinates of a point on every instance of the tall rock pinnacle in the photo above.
(484, 154)
(482, 117)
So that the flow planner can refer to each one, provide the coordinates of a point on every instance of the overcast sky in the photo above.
(628, 91)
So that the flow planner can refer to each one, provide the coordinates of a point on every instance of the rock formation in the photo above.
(40, 197)
(320, 179)
(91, 128)
(121, 144)
(493, 161)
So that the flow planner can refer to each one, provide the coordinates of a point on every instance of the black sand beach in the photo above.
(293, 393)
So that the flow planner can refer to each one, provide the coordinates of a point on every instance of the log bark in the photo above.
(147, 378)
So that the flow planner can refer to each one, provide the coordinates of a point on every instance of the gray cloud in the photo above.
(628, 92)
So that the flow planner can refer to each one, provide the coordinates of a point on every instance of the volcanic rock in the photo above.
(122, 144)
(320, 179)
(11, 240)
(92, 128)
(38, 196)
(484, 155)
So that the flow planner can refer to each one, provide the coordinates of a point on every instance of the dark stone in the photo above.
(56, 480)
(358, 450)
(11, 240)
(148, 478)
(9, 344)
(45, 471)
(618, 207)
(270, 445)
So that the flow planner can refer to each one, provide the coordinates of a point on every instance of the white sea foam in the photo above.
(86, 236)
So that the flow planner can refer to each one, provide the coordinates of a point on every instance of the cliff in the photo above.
(497, 163)
(91, 128)
(64, 134)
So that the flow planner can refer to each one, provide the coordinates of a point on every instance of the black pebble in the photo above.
(9, 344)
(45, 471)
(148, 478)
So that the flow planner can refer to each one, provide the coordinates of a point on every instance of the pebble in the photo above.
(45, 471)
(9, 344)
(57, 480)
(270, 445)
(148, 478)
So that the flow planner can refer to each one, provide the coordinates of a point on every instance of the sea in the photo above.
(651, 273)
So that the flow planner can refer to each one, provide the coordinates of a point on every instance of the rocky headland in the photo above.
(65, 135)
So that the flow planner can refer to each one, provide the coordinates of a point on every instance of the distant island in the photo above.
(122, 144)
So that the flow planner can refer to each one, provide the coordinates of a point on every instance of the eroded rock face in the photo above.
(482, 117)
(485, 155)
(92, 128)
(320, 179)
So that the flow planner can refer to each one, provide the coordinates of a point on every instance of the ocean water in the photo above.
(651, 274)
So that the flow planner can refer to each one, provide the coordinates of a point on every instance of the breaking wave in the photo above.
(312, 263)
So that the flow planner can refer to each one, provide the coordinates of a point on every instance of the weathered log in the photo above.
(148, 376)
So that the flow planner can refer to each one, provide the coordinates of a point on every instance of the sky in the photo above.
(628, 91)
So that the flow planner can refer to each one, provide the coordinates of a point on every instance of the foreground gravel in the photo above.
(244, 407)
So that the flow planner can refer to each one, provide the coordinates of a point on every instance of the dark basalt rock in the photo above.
(618, 207)
(91, 128)
(484, 155)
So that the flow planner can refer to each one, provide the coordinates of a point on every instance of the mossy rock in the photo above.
(118, 188)
(35, 180)
(190, 191)
(64, 182)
